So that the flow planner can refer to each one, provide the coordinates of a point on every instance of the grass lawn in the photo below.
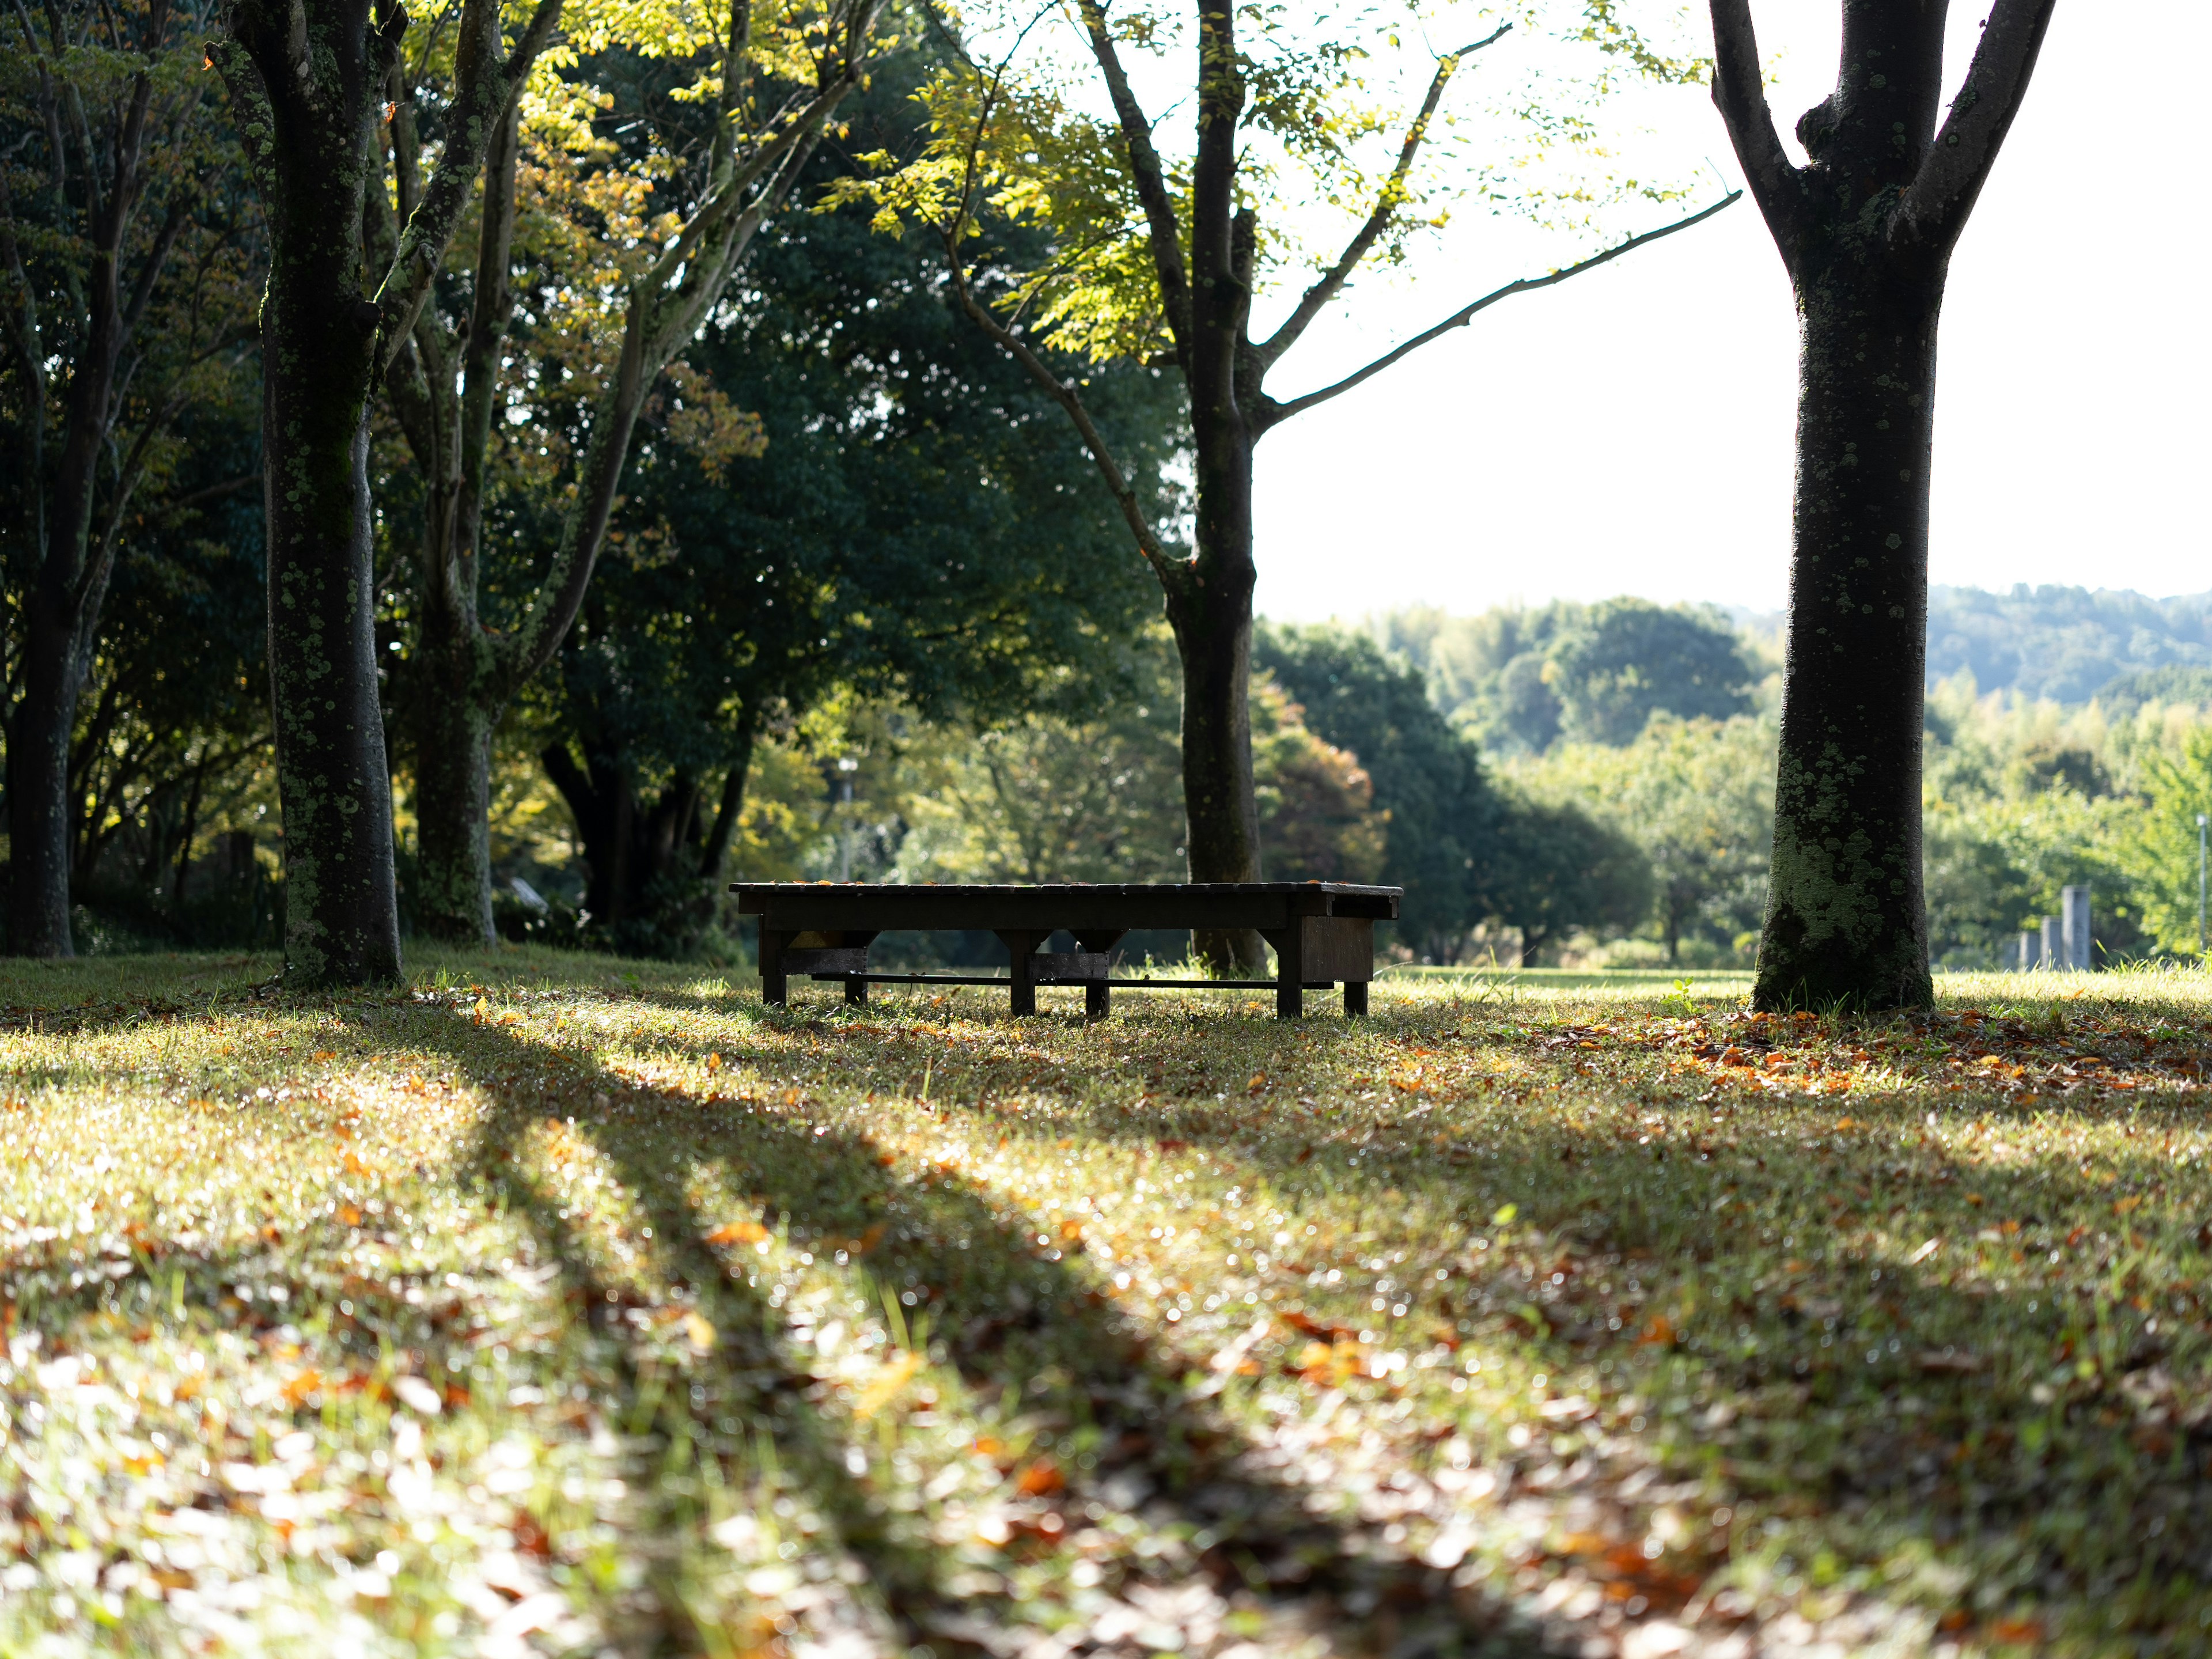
(559, 1305)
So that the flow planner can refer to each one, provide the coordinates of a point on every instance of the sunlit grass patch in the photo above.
(561, 1302)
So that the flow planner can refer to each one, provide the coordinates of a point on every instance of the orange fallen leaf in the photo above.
(1659, 1334)
(713, 1062)
(737, 1232)
(301, 1386)
(1040, 1479)
(2022, 1633)
(350, 1216)
(321, 1054)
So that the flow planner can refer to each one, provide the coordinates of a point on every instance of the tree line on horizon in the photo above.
(518, 316)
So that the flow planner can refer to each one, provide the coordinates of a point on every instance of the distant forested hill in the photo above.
(1508, 676)
(2070, 644)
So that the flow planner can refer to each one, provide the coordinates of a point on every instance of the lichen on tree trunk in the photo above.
(341, 914)
(1865, 228)
(1846, 920)
(1210, 612)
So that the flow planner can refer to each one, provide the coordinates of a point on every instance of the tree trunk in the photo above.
(341, 909)
(1846, 923)
(1210, 610)
(716, 855)
(450, 728)
(1866, 228)
(38, 785)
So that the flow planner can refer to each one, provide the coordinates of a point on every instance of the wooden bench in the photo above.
(1323, 933)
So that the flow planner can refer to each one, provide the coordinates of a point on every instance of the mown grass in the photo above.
(562, 1305)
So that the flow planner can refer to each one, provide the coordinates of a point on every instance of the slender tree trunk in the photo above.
(38, 785)
(451, 734)
(716, 855)
(1210, 614)
(1846, 920)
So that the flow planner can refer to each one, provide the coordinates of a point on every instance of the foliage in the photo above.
(403, 1312)
(1697, 797)
(915, 525)
(1520, 680)
(1629, 659)
(1048, 799)
(1564, 872)
(2164, 841)
(1442, 844)
(1318, 819)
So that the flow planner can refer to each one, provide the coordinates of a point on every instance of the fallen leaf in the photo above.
(737, 1232)
(701, 1331)
(1949, 1365)
(1040, 1479)
(885, 1389)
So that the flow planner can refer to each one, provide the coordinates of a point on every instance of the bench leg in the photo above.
(856, 993)
(1355, 998)
(1097, 995)
(1020, 947)
(775, 990)
(1290, 974)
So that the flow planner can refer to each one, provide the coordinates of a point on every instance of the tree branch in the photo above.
(1936, 204)
(1150, 178)
(485, 84)
(658, 324)
(1170, 570)
(1318, 297)
(1277, 413)
(1740, 94)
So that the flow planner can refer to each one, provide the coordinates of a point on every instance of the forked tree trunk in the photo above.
(1866, 229)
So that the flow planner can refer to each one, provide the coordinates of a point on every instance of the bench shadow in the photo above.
(1017, 1324)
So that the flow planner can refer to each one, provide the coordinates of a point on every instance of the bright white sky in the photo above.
(1630, 431)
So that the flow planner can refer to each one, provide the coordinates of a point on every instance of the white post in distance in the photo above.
(2073, 927)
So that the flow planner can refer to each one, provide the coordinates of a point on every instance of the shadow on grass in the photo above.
(2038, 1423)
(1019, 1326)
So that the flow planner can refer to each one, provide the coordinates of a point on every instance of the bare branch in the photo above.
(1170, 570)
(1274, 414)
(1937, 202)
(1740, 96)
(1318, 297)
(1152, 180)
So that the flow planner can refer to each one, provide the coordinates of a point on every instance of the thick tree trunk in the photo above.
(1866, 228)
(341, 914)
(1846, 923)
